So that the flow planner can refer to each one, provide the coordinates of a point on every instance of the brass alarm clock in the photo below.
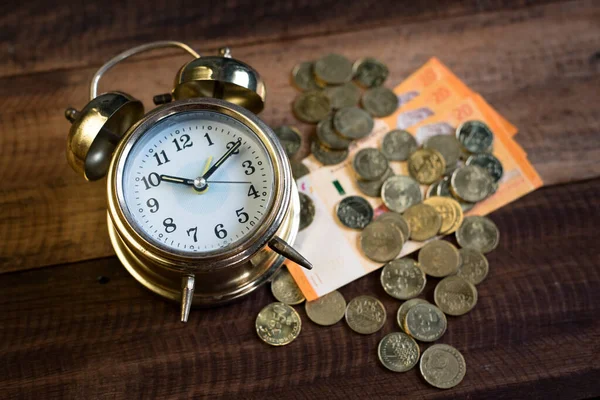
(202, 205)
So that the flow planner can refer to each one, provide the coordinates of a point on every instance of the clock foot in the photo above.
(280, 247)
(187, 295)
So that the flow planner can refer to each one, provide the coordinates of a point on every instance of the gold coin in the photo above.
(426, 166)
(443, 366)
(397, 220)
(285, 289)
(478, 233)
(365, 315)
(403, 310)
(278, 324)
(369, 72)
(425, 322)
(379, 101)
(423, 220)
(381, 241)
(474, 266)
(326, 310)
(471, 183)
(449, 210)
(346, 95)
(398, 352)
(333, 69)
(353, 123)
(455, 296)
(303, 76)
(312, 106)
(403, 279)
(439, 258)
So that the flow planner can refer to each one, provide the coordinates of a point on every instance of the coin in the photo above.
(400, 192)
(285, 289)
(488, 162)
(398, 145)
(403, 279)
(290, 139)
(439, 258)
(303, 76)
(278, 324)
(455, 296)
(432, 189)
(381, 241)
(346, 95)
(312, 106)
(370, 164)
(369, 72)
(449, 210)
(423, 220)
(471, 183)
(443, 189)
(398, 352)
(326, 310)
(365, 315)
(397, 220)
(354, 212)
(298, 169)
(425, 322)
(327, 156)
(447, 145)
(478, 233)
(379, 101)
(329, 137)
(352, 122)
(307, 212)
(403, 310)
(426, 165)
(333, 69)
(373, 188)
(475, 136)
(474, 266)
(442, 366)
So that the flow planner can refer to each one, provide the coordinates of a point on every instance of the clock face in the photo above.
(168, 197)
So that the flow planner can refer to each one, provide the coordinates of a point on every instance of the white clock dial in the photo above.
(181, 217)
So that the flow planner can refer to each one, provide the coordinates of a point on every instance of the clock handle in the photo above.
(280, 247)
(187, 295)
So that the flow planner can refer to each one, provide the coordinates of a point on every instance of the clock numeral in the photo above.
(230, 145)
(169, 225)
(220, 231)
(252, 192)
(185, 140)
(152, 180)
(210, 142)
(249, 167)
(195, 230)
(160, 159)
(242, 216)
(153, 204)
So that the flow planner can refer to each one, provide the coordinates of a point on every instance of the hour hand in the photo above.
(176, 179)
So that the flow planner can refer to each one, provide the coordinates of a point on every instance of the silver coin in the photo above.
(425, 322)
(398, 352)
(370, 164)
(403, 279)
(478, 233)
(474, 266)
(290, 139)
(307, 211)
(397, 220)
(353, 122)
(403, 310)
(369, 72)
(327, 156)
(354, 212)
(365, 315)
(488, 162)
(432, 189)
(326, 310)
(398, 145)
(329, 137)
(285, 289)
(443, 189)
(381, 241)
(373, 188)
(298, 169)
(448, 147)
(475, 136)
(471, 183)
(346, 95)
(401, 192)
(379, 101)
(333, 69)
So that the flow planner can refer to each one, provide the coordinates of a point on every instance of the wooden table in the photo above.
(75, 324)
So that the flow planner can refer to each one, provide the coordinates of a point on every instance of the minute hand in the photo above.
(221, 160)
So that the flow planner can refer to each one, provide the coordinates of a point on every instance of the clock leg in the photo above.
(187, 296)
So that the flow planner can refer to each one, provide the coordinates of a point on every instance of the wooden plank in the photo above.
(63, 35)
(49, 215)
(533, 334)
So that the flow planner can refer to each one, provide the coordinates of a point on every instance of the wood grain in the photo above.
(49, 215)
(75, 34)
(535, 332)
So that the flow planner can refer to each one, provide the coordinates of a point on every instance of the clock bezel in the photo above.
(213, 259)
